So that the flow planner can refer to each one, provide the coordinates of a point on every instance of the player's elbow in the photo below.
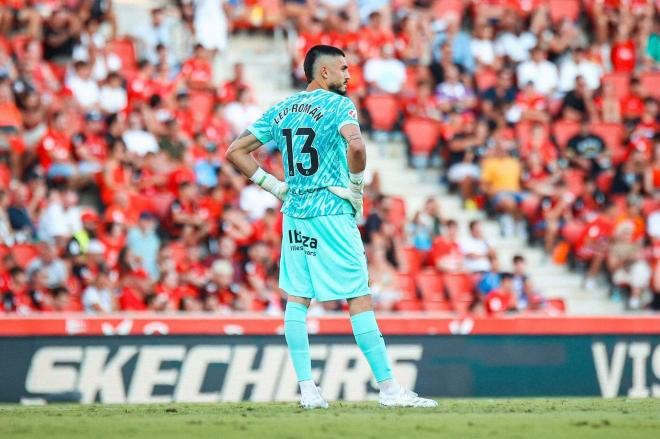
(357, 150)
(231, 153)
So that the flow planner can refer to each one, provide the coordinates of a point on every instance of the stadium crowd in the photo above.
(544, 113)
(114, 193)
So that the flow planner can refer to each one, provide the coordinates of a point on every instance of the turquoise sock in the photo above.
(371, 343)
(295, 332)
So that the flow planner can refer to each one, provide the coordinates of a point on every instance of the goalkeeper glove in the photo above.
(270, 183)
(353, 194)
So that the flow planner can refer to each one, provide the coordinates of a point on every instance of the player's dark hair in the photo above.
(314, 53)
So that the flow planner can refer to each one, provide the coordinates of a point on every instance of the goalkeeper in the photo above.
(323, 256)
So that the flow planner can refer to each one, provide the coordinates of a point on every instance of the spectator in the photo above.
(210, 24)
(446, 253)
(476, 251)
(143, 241)
(578, 104)
(382, 280)
(503, 298)
(625, 260)
(98, 298)
(500, 180)
(385, 74)
(48, 264)
(586, 151)
(241, 113)
(579, 65)
(540, 72)
(453, 95)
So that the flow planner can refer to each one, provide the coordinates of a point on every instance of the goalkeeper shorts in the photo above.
(323, 258)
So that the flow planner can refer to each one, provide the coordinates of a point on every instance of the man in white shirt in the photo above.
(98, 298)
(476, 251)
(579, 65)
(540, 72)
(386, 73)
(242, 113)
(84, 88)
(255, 201)
(138, 140)
(514, 43)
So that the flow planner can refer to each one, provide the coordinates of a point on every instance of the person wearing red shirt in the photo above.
(218, 130)
(55, 151)
(228, 92)
(540, 144)
(374, 36)
(446, 252)
(503, 298)
(632, 106)
(593, 244)
(532, 105)
(197, 71)
(141, 87)
(91, 146)
(623, 54)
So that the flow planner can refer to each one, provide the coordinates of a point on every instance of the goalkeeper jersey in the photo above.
(305, 127)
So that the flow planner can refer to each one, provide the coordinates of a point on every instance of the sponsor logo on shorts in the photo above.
(300, 242)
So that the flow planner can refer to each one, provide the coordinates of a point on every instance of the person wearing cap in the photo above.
(144, 242)
(79, 243)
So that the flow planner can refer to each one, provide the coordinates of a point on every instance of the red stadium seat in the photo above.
(124, 49)
(24, 254)
(485, 78)
(556, 304)
(397, 212)
(459, 287)
(434, 305)
(412, 260)
(406, 285)
(423, 135)
(383, 110)
(5, 175)
(620, 81)
(561, 9)
(574, 180)
(445, 7)
(431, 286)
(572, 231)
(524, 131)
(409, 305)
(201, 104)
(650, 82)
(563, 130)
(612, 134)
(604, 181)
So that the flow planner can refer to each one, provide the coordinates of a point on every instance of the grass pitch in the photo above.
(455, 418)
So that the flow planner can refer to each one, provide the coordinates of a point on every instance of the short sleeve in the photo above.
(261, 128)
(346, 114)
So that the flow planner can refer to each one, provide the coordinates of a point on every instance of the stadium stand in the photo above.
(113, 182)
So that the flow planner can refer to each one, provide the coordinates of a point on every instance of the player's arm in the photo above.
(240, 155)
(356, 155)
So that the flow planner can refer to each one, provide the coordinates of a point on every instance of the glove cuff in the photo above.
(356, 178)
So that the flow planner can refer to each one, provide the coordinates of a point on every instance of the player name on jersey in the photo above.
(315, 112)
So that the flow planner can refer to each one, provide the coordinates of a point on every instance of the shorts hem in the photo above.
(345, 296)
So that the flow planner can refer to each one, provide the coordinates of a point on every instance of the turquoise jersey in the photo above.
(305, 127)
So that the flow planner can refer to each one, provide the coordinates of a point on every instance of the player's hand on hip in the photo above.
(270, 183)
(352, 194)
(280, 190)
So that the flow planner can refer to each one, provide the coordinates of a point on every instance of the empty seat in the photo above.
(412, 260)
(431, 286)
(650, 82)
(383, 111)
(562, 9)
(24, 254)
(620, 81)
(612, 134)
(405, 284)
(409, 305)
(563, 130)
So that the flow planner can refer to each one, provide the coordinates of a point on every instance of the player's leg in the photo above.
(338, 268)
(295, 280)
(371, 343)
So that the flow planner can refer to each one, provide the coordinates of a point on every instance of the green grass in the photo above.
(455, 418)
